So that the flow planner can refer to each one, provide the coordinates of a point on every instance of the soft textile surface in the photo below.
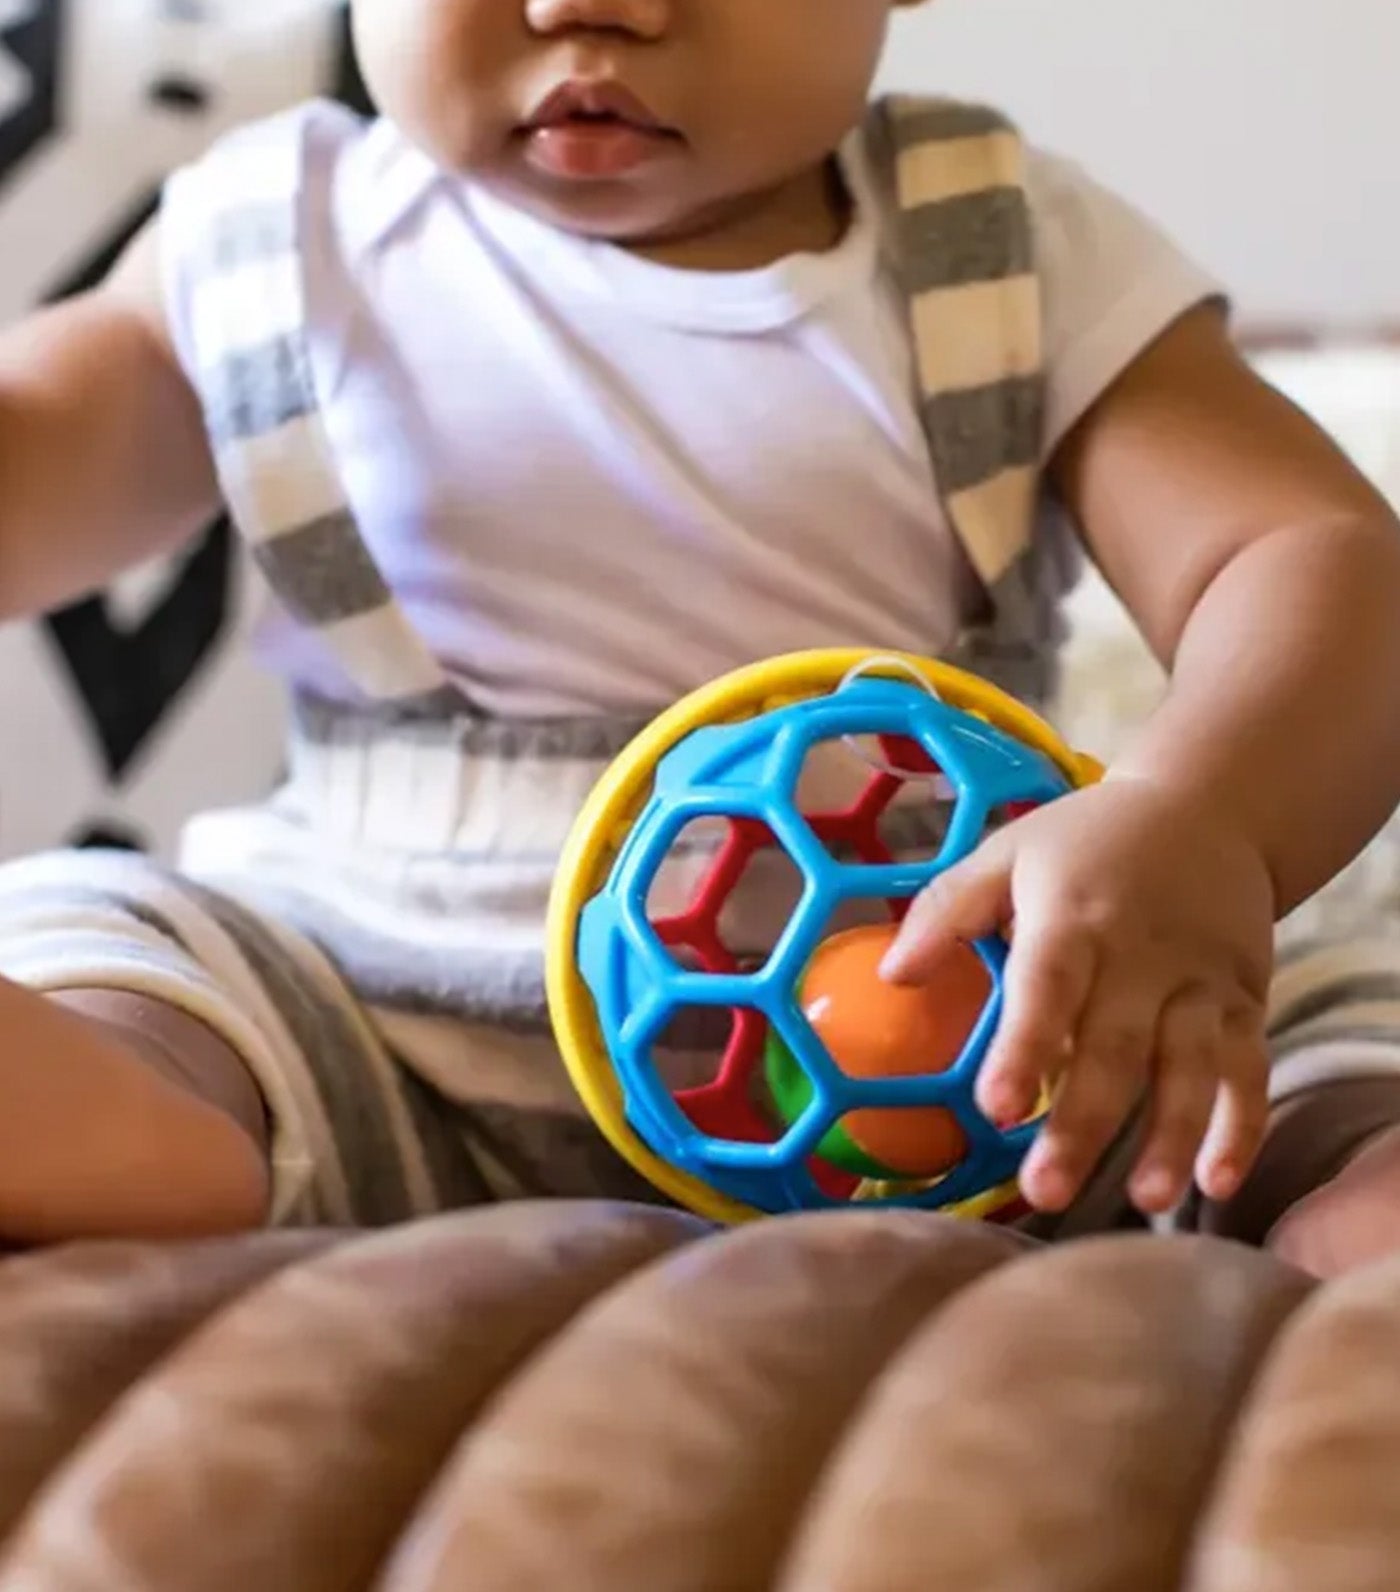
(609, 1399)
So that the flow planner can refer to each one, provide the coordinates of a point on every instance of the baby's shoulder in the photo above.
(320, 173)
(928, 150)
(272, 157)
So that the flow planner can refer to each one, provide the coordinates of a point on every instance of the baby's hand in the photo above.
(1141, 933)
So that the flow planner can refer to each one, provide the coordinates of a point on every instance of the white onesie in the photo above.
(595, 483)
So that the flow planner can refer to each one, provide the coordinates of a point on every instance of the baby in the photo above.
(628, 346)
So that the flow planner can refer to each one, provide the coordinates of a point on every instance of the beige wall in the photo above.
(1266, 133)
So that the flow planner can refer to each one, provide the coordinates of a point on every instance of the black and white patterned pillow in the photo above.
(124, 713)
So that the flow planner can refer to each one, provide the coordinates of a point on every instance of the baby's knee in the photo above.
(123, 1117)
(181, 1049)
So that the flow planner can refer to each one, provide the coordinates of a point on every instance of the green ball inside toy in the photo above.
(790, 1093)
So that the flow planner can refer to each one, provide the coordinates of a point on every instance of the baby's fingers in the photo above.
(1190, 1049)
(1241, 1115)
(967, 903)
(1103, 1083)
(1048, 978)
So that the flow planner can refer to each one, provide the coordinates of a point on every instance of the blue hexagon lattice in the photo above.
(751, 770)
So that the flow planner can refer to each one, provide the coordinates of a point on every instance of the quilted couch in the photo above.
(611, 1399)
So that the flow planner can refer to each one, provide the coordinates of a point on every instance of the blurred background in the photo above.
(1265, 134)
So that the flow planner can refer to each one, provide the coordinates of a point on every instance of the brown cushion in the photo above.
(586, 1397)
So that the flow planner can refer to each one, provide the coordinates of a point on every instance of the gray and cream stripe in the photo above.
(276, 465)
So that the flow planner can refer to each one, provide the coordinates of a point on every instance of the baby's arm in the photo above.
(103, 458)
(1266, 573)
(116, 1115)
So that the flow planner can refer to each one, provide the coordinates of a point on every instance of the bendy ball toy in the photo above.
(745, 1055)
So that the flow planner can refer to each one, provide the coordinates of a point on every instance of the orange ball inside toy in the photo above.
(874, 1029)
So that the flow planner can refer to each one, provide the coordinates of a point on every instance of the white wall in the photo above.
(1264, 133)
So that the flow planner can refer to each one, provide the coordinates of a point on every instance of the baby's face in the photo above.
(635, 120)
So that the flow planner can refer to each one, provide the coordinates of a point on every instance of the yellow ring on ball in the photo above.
(615, 804)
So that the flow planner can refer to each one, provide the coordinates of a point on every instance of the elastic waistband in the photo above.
(449, 782)
(318, 721)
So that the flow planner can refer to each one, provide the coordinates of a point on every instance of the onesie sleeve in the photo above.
(265, 177)
(1112, 282)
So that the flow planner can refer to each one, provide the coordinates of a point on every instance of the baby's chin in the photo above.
(620, 213)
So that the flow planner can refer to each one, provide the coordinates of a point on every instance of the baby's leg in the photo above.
(501, 1101)
(173, 1061)
(123, 1116)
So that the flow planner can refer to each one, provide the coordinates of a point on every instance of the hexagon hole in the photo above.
(710, 1061)
(875, 799)
(723, 895)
